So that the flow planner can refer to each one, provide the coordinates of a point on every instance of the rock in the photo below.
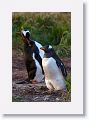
(57, 99)
(46, 97)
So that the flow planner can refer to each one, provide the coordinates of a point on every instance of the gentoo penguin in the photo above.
(54, 69)
(33, 58)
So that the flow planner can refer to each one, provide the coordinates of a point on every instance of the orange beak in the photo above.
(42, 48)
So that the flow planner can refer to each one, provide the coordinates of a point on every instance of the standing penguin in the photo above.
(33, 59)
(54, 69)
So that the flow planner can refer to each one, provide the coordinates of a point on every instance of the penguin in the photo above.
(33, 59)
(54, 69)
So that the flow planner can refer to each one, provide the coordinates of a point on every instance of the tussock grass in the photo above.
(46, 28)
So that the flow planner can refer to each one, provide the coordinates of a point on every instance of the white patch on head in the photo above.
(24, 32)
(50, 46)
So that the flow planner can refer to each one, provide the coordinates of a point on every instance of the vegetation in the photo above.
(46, 28)
(68, 82)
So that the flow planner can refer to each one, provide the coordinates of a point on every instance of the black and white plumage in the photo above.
(54, 69)
(33, 57)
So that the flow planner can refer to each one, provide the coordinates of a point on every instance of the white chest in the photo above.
(50, 68)
(53, 75)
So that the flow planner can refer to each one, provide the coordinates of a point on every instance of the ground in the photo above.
(33, 92)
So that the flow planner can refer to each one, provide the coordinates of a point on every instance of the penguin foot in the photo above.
(22, 82)
(34, 82)
(50, 91)
(27, 81)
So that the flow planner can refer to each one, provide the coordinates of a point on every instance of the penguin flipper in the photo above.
(62, 66)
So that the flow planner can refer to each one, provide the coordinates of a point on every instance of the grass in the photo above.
(46, 28)
(68, 82)
(16, 98)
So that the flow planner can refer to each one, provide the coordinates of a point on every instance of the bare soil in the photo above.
(33, 92)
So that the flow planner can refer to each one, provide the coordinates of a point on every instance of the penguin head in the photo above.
(47, 48)
(26, 33)
(26, 36)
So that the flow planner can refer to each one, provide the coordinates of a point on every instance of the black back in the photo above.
(60, 65)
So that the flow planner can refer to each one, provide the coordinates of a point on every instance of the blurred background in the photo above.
(46, 28)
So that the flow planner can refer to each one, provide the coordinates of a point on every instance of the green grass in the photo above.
(68, 82)
(16, 98)
(46, 28)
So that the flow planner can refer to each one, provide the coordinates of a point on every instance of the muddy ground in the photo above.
(33, 92)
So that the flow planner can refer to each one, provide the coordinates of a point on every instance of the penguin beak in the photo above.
(42, 48)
